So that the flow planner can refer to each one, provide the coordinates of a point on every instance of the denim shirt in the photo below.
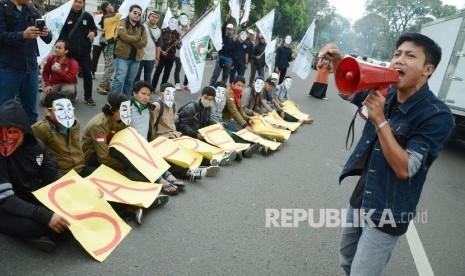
(422, 124)
(16, 53)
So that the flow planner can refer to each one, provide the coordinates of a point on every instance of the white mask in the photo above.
(288, 39)
(125, 112)
(169, 96)
(64, 112)
(219, 94)
(173, 23)
(288, 83)
(258, 85)
(183, 20)
(243, 36)
(206, 103)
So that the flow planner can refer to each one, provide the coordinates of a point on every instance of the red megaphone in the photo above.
(353, 75)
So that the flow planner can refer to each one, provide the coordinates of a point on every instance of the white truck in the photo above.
(448, 80)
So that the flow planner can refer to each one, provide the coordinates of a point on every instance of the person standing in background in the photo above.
(96, 46)
(320, 85)
(182, 29)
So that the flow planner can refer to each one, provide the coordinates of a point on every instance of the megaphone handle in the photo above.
(363, 112)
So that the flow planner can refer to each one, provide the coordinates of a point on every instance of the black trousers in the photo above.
(85, 64)
(282, 74)
(96, 51)
(177, 71)
(165, 65)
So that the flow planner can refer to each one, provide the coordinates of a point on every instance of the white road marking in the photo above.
(418, 252)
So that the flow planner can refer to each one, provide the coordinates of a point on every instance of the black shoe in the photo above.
(160, 201)
(89, 102)
(80, 75)
(93, 75)
(42, 244)
(254, 148)
(263, 150)
(238, 156)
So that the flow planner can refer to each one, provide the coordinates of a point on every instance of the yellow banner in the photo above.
(291, 108)
(206, 150)
(274, 119)
(118, 188)
(94, 224)
(265, 129)
(254, 138)
(176, 154)
(216, 135)
(138, 151)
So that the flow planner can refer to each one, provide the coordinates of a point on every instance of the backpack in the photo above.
(160, 114)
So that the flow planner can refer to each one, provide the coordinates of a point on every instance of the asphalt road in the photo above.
(218, 225)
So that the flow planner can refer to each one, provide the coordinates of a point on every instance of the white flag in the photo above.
(194, 51)
(167, 18)
(303, 61)
(265, 25)
(245, 17)
(124, 8)
(216, 35)
(269, 55)
(235, 7)
(54, 20)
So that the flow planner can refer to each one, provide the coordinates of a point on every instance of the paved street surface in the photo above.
(218, 225)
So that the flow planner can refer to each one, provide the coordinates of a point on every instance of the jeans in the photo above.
(364, 250)
(220, 65)
(23, 84)
(125, 73)
(148, 66)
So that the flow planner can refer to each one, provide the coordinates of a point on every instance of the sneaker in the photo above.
(101, 89)
(138, 215)
(89, 102)
(213, 162)
(211, 171)
(178, 86)
(263, 150)
(42, 244)
(160, 201)
(254, 148)
(227, 157)
(195, 174)
(238, 156)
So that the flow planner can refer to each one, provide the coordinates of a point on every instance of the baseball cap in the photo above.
(154, 13)
(250, 31)
(270, 81)
(230, 26)
(274, 76)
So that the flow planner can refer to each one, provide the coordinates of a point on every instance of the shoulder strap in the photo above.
(78, 22)
(160, 114)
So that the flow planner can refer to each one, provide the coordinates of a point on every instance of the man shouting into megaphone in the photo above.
(402, 137)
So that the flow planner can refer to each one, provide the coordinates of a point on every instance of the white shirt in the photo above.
(150, 49)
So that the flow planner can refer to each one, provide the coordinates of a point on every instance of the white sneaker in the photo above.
(178, 86)
(195, 174)
(138, 215)
(211, 171)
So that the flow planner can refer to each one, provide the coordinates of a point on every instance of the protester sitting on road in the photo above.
(60, 71)
(269, 101)
(25, 166)
(219, 103)
(165, 109)
(282, 95)
(115, 116)
(60, 132)
(250, 100)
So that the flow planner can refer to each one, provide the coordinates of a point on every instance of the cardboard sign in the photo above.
(265, 129)
(216, 135)
(139, 152)
(206, 150)
(94, 224)
(254, 138)
(176, 154)
(118, 188)
(290, 108)
(274, 119)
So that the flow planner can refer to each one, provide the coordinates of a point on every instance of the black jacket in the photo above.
(283, 57)
(228, 41)
(79, 44)
(258, 50)
(27, 169)
(193, 117)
